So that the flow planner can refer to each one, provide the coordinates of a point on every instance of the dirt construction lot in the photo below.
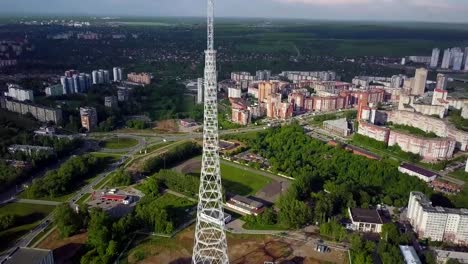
(243, 249)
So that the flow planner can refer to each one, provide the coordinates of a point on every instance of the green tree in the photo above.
(68, 222)
(293, 213)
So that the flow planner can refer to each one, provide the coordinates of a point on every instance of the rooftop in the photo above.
(419, 170)
(410, 255)
(247, 201)
(365, 215)
(27, 255)
(427, 206)
(342, 123)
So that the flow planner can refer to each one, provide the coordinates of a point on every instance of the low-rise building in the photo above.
(188, 122)
(245, 205)
(409, 254)
(28, 149)
(234, 92)
(365, 220)
(421, 173)
(22, 255)
(443, 256)
(338, 126)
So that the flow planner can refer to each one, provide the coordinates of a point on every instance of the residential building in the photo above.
(441, 81)
(100, 76)
(338, 126)
(29, 149)
(123, 94)
(263, 75)
(240, 116)
(23, 255)
(89, 118)
(466, 59)
(142, 78)
(457, 58)
(420, 79)
(117, 74)
(437, 223)
(266, 89)
(110, 101)
(200, 90)
(242, 76)
(376, 132)
(234, 92)
(365, 220)
(428, 148)
(245, 205)
(409, 255)
(446, 59)
(421, 173)
(435, 58)
(41, 113)
(19, 94)
(420, 59)
(297, 99)
(77, 83)
(442, 256)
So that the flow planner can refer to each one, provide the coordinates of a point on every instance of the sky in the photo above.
(399, 10)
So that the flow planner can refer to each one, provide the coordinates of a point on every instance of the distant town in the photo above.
(106, 146)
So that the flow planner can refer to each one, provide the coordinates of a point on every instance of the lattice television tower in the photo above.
(210, 239)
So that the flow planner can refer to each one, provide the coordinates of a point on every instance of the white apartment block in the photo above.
(19, 94)
(437, 223)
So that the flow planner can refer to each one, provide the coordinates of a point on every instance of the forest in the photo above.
(65, 179)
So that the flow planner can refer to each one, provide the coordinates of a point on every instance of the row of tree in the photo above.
(64, 180)
(173, 156)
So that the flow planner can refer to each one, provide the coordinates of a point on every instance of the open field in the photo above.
(234, 179)
(460, 174)
(177, 207)
(66, 250)
(28, 216)
(119, 143)
(243, 249)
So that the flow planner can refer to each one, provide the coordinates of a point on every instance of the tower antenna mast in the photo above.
(210, 237)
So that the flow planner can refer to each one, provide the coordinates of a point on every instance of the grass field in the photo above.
(460, 174)
(119, 143)
(28, 216)
(241, 181)
(176, 207)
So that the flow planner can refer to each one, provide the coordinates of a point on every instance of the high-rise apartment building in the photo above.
(437, 223)
(89, 118)
(200, 90)
(457, 58)
(446, 59)
(117, 74)
(441, 81)
(77, 83)
(263, 75)
(435, 57)
(466, 59)
(419, 85)
(100, 76)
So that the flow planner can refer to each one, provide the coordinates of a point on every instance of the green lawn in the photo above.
(176, 207)
(242, 181)
(119, 143)
(460, 174)
(28, 216)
